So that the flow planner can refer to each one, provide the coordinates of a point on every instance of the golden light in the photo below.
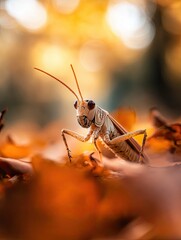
(173, 60)
(66, 6)
(30, 14)
(49, 56)
(172, 18)
(92, 55)
(130, 23)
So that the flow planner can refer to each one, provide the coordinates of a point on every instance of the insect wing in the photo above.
(131, 141)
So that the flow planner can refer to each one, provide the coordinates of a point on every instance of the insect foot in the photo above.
(65, 141)
(69, 155)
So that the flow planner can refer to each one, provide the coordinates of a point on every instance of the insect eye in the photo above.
(75, 105)
(91, 104)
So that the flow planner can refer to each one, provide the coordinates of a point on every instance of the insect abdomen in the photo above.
(124, 151)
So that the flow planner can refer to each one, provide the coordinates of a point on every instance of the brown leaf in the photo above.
(1, 118)
(9, 148)
(59, 203)
(15, 167)
(156, 118)
(167, 137)
(154, 195)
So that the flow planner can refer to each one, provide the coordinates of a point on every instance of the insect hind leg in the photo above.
(143, 144)
(127, 136)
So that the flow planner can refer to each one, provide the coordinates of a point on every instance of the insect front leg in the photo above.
(76, 136)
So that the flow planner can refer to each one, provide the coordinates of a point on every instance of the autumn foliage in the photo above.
(45, 197)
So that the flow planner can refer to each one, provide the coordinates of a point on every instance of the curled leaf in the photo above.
(1, 118)
(15, 167)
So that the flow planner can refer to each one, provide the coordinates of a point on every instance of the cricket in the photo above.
(103, 126)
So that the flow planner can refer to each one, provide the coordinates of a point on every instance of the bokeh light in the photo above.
(30, 14)
(93, 55)
(172, 18)
(66, 6)
(125, 53)
(127, 58)
(173, 59)
(49, 56)
(129, 21)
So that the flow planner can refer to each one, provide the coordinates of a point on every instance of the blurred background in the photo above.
(125, 54)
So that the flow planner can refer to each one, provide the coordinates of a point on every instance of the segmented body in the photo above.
(127, 149)
(124, 151)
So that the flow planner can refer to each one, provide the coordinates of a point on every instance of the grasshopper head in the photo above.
(85, 108)
(85, 112)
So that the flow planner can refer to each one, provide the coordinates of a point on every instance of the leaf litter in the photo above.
(44, 196)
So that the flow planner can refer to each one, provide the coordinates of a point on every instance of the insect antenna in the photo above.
(58, 81)
(76, 82)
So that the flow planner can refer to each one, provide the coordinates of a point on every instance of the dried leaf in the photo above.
(13, 151)
(156, 118)
(86, 199)
(167, 137)
(60, 203)
(154, 195)
(1, 118)
(15, 167)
